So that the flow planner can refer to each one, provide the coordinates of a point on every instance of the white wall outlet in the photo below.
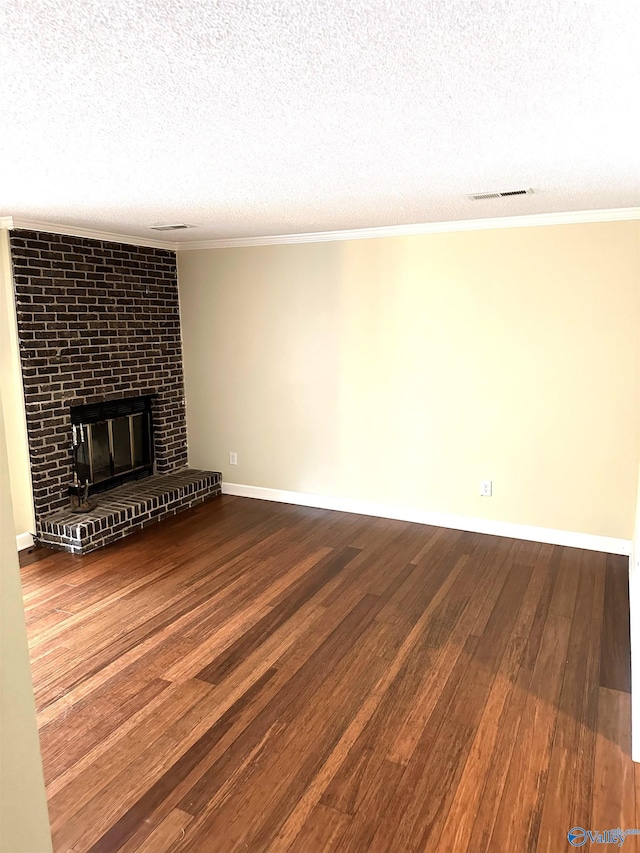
(233, 458)
(486, 488)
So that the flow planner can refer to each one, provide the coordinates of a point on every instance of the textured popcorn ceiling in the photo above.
(265, 117)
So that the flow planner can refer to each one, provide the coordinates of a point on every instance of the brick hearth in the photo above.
(128, 508)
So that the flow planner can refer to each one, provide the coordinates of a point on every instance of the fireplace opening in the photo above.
(112, 444)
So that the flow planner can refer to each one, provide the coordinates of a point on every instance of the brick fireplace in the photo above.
(99, 322)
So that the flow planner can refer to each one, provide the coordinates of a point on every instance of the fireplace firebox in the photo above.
(112, 444)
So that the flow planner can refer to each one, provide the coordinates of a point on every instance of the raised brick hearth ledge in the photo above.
(128, 508)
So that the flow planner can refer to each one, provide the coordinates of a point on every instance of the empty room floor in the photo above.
(257, 676)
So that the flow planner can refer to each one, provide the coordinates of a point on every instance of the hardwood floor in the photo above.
(256, 676)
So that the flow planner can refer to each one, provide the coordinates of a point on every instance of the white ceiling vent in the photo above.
(177, 227)
(505, 194)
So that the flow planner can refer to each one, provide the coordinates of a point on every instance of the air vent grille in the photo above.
(505, 194)
(177, 227)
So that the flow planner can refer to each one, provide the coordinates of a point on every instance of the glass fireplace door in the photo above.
(113, 449)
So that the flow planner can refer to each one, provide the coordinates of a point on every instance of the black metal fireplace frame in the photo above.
(85, 417)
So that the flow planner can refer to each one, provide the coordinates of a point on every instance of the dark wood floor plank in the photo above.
(615, 656)
(613, 791)
(276, 785)
(229, 618)
(300, 593)
(123, 829)
(380, 799)
(170, 604)
(458, 827)
(343, 749)
(504, 555)
(34, 554)
(259, 676)
(510, 719)
(519, 815)
(435, 767)
(434, 537)
(299, 779)
(86, 808)
(370, 571)
(303, 687)
(322, 832)
(475, 593)
(568, 794)
(274, 686)
(166, 835)
(417, 675)
(91, 722)
(110, 750)
(583, 765)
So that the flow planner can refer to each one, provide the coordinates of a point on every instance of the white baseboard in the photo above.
(24, 540)
(589, 541)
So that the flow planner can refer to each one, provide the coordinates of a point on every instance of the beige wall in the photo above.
(24, 822)
(11, 386)
(404, 370)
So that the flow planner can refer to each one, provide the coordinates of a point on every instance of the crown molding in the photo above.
(73, 231)
(526, 221)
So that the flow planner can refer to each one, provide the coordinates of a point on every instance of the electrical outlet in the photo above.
(233, 458)
(486, 488)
